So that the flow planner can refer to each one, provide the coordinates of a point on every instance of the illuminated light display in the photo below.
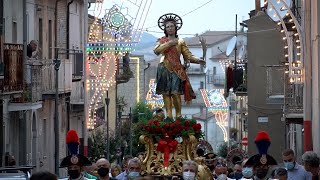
(217, 104)
(293, 52)
(153, 99)
(110, 37)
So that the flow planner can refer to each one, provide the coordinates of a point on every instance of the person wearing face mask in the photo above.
(75, 161)
(247, 171)
(189, 171)
(262, 161)
(103, 166)
(295, 170)
(237, 171)
(134, 168)
(124, 175)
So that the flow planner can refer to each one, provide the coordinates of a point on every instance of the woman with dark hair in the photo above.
(172, 79)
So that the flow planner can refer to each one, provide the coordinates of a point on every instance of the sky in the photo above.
(216, 15)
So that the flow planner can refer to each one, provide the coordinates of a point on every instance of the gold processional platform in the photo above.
(168, 143)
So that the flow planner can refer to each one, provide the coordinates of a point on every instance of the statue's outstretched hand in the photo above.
(202, 62)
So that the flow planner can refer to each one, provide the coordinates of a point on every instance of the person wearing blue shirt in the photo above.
(295, 170)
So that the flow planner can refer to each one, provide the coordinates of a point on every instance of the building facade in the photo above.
(28, 99)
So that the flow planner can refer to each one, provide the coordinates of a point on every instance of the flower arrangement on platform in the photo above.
(181, 127)
(165, 132)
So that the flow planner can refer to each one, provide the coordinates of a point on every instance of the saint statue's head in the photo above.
(170, 23)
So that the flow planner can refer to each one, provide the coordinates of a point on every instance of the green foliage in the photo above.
(98, 144)
(141, 112)
(223, 149)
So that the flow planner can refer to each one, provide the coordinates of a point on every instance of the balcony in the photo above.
(196, 69)
(217, 79)
(274, 84)
(48, 78)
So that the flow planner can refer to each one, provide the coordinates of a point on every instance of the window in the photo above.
(50, 40)
(214, 72)
(14, 32)
(201, 85)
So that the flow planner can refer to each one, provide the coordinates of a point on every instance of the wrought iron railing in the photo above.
(217, 79)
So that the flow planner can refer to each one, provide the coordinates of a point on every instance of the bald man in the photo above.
(33, 47)
(103, 166)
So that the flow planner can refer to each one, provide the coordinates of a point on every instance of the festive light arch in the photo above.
(217, 104)
(293, 46)
(109, 39)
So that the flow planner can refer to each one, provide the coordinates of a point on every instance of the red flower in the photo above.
(196, 127)
(150, 122)
(157, 123)
(187, 123)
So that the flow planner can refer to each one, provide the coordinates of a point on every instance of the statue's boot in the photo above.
(168, 105)
(176, 98)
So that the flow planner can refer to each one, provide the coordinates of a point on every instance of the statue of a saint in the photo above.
(172, 79)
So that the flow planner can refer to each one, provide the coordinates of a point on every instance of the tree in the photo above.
(97, 145)
(141, 112)
(223, 148)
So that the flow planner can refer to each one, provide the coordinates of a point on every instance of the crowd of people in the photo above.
(261, 166)
(131, 170)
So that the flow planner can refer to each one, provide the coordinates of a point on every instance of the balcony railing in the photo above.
(195, 70)
(40, 79)
(218, 79)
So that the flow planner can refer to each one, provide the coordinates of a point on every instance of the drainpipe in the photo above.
(56, 30)
(144, 78)
(68, 27)
(23, 147)
(56, 119)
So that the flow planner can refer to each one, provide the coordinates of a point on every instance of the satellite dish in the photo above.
(231, 45)
(242, 52)
(279, 7)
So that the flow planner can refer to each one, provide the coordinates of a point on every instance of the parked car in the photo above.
(13, 176)
(15, 173)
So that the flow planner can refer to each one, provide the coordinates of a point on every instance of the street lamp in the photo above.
(107, 101)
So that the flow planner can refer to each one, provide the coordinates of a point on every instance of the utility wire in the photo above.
(196, 8)
(186, 13)
(265, 30)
